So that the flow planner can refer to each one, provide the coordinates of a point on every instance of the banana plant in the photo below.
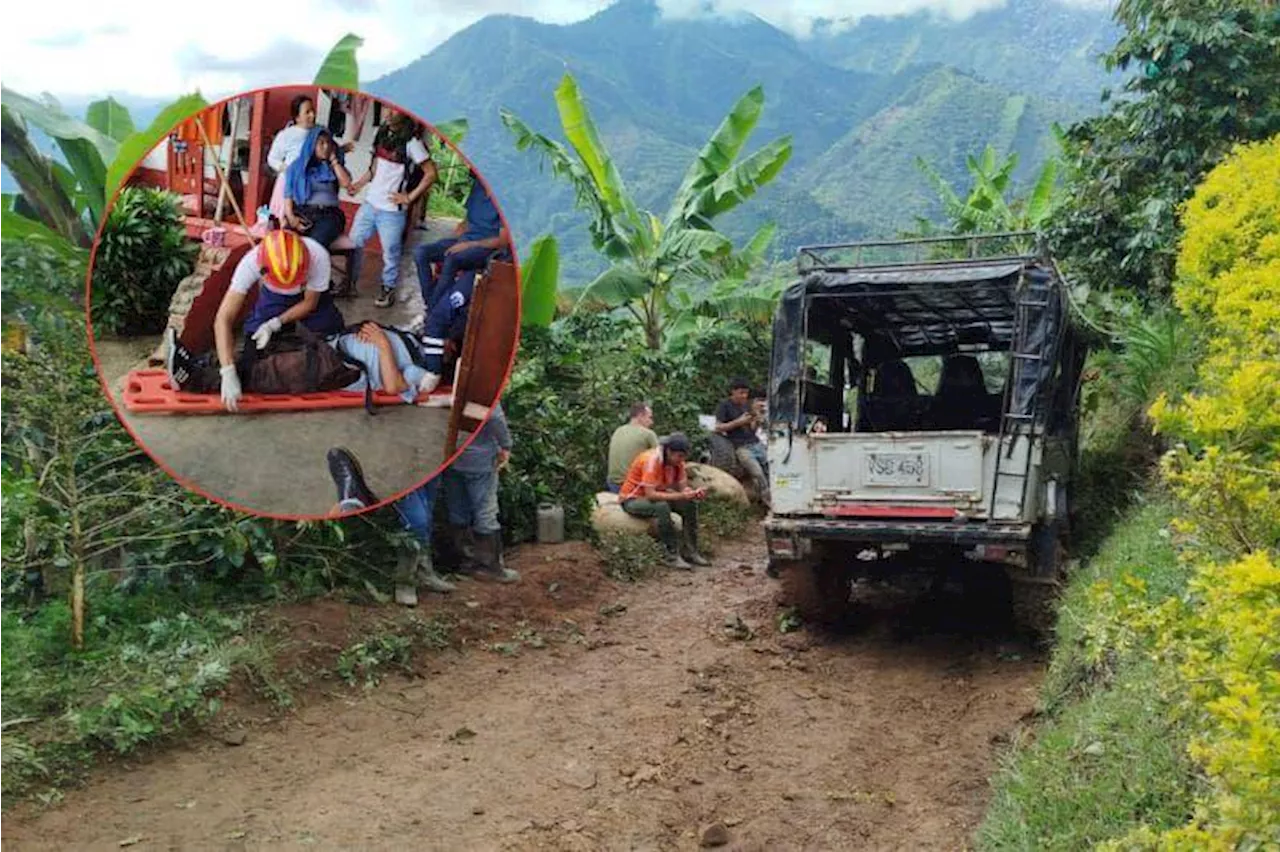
(987, 207)
(653, 258)
(69, 199)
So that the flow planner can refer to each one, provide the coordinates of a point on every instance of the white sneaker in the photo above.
(429, 382)
(406, 596)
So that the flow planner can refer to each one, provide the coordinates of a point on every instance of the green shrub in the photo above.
(142, 256)
(723, 519)
(629, 557)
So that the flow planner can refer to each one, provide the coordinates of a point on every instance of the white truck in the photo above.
(923, 412)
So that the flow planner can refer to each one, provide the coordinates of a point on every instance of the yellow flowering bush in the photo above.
(1223, 638)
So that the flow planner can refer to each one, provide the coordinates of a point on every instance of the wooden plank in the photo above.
(488, 350)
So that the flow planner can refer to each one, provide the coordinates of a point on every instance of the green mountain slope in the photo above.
(657, 88)
(1041, 47)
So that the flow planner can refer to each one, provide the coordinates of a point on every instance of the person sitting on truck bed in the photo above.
(736, 420)
(656, 485)
(962, 401)
(893, 403)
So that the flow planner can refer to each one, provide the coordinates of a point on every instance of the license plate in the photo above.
(897, 469)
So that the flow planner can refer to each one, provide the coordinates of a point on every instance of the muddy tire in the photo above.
(818, 590)
(1035, 607)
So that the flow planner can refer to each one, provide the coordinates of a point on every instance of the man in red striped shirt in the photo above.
(656, 485)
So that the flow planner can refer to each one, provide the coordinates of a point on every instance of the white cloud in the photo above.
(154, 48)
(798, 16)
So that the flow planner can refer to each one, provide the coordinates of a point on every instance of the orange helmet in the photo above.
(283, 258)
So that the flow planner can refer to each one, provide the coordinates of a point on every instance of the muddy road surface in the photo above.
(649, 716)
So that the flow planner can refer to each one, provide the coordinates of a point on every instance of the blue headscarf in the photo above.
(303, 171)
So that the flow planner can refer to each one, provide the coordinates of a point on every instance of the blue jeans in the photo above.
(450, 265)
(473, 500)
(417, 510)
(390, 227)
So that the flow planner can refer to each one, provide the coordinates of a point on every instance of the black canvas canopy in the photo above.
(1011, 302)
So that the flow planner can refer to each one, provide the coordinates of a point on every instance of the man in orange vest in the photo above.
(655, 487)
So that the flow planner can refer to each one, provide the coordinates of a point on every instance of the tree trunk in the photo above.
(77, 605)
(34, 174)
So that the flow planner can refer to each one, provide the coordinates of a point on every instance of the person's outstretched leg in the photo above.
(423, 257)
(416, 510)
(353, 492)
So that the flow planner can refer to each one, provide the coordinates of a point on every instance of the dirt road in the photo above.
(635, 729)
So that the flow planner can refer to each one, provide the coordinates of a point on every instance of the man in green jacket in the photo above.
(628, 441)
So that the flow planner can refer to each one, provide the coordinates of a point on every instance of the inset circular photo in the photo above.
(303, 301)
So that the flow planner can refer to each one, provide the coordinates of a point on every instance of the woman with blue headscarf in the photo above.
(311, 188)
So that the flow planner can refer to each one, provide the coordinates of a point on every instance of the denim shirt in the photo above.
(367, 354)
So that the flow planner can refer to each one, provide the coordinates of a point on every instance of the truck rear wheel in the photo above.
(818, 589)
(724, 456)
(1035, 597)
(1035, 606)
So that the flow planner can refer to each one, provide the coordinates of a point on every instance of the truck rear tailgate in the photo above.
(942, 469)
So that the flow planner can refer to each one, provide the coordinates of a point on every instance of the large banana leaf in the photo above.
(718, 154)
(607, 235)
(541, 275)
(90, 173)
(952, 205)
(19, 227)
(615, 287)
(43, 194)
(340, 69)
(1043, 196)
(682, 244)
(49, 117)
(110, 118)
(139, 144)
(741, 182)
(581, 133)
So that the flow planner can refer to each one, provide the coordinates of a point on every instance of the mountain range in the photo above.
(860, 100)
(861, 103)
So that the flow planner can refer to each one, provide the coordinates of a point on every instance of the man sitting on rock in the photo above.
(657, 485)
(628, 441)
(738, 421)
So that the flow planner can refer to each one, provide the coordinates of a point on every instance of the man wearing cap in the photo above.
(292, 274)
(656, 485)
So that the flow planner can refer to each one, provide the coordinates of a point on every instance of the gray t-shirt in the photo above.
(482, 455)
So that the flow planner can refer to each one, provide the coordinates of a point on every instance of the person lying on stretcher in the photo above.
(387, 361)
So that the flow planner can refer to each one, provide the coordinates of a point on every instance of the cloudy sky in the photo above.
(155, 48)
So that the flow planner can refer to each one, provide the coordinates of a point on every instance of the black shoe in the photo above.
(178, 361)
(348, 478)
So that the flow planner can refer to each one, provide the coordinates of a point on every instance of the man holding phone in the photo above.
(655, 487)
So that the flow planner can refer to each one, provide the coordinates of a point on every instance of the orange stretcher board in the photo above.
(149, 392)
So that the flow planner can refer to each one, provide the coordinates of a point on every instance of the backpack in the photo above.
(301, 362)
(397, 144)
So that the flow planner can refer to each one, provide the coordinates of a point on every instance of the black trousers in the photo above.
(327, 223)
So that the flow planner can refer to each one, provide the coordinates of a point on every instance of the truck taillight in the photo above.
(782, 546)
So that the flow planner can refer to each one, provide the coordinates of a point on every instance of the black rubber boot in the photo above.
(489, 560)
(348, 478)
